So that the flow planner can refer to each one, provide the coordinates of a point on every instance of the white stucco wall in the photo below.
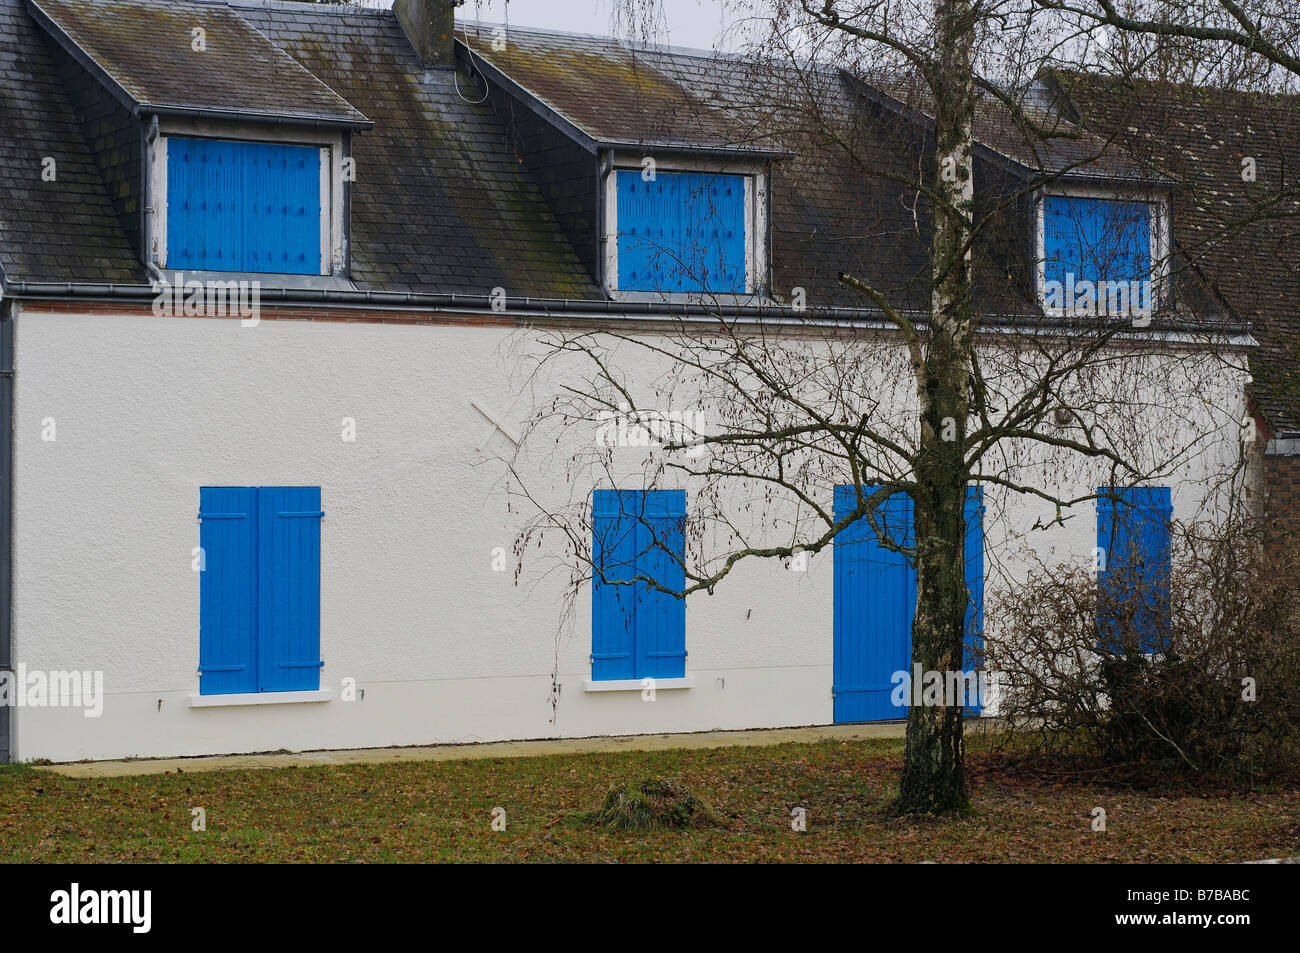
(147, 410)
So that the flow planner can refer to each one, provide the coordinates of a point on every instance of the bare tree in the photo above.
(933, 364)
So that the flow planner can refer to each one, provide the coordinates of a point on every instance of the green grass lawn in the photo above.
(441, 811)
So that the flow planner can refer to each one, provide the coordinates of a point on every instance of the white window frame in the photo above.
(330, 144)
(1159, 235)
(754, 174)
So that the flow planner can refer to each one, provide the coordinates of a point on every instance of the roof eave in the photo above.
(82, 58)
(254, 116)
(1187, 330)
(1130, 181)
(740, 151)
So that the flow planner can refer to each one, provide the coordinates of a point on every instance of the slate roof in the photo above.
(448, 199)
(63, 230)
(145, 50)
(656, 97)
(828, 215)
(440, 203)
(614, 94)
(1243, 237)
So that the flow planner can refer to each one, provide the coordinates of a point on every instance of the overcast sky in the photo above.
(694, 23)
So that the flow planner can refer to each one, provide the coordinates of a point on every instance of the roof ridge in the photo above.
(305, 6)
(630, 45)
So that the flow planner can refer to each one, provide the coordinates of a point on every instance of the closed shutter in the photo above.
(1096, 239)
(1134, 532)
(228, 590)
(681, 232)
(282, 229)
(614, 550)
(259, 592)
(243, 206)
(204, 195)
(874, 604)
(641, 229)
(638, 631)
(661, 616)
(290, 620)
(974, 587)
(713, 208)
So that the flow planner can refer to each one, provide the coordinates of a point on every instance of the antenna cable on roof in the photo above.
(456, 80)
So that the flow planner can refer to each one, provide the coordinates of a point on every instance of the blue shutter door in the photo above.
(614, 550)
(243, 206)
(874, 604)
(974, 585)
(1134, 530)
(227, 590)
(660, 645)
(289, 620)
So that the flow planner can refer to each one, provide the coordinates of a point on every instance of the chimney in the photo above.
(430, 26)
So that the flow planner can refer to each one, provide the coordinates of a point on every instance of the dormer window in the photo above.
(684, 231)
(246, 206)
(1101, 253)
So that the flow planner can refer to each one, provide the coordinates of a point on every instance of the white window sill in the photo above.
(259, 698)
(635, 684)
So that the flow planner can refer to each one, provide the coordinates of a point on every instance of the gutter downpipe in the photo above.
(7, 309)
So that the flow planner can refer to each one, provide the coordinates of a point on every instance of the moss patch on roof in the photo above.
(191, 55)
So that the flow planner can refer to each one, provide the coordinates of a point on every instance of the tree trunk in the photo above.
(933, 779)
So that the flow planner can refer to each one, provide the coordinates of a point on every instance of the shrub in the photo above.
(1233, 626)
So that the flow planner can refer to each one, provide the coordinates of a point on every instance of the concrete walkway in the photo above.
(498, 749)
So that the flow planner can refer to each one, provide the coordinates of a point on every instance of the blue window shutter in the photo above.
(637, 631)
(636, 256)
(243, 206)
(226, 205)
(614, 550)
(285, 225)
(714, 209)
(1096, 239)
(259, 604)
(1134, 530)
(660, 616)
(289, 617)
(682, 232)
(227, 590)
